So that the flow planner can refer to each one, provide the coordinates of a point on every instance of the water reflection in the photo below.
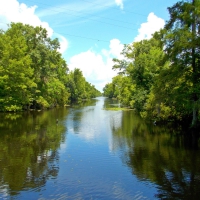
(157, 155)
(87, 121)
(28, 149)
(106, 155)
(111, 103)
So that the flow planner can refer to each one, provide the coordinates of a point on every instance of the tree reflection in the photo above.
(158, 154)
(82, 104)
(29, 145)
(79, 113)
(110, 103)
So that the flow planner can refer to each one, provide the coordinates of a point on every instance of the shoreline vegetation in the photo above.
(33, 74)
(117, 109)
(159, 77)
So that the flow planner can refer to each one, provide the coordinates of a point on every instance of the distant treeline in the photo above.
(33, 74)
(160, 77)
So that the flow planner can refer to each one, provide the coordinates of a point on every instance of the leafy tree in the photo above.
(124, 90)
(161, 76)
(33, 73)
(181, 39)
(141, 65)
(108, 90)
(16, 73)
(79, 88)
(50, 69)
(91, 91)
(76, 85)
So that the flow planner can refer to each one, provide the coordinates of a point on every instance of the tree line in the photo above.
(160, 77)
(33, 74)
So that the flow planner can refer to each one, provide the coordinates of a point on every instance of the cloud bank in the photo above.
(119, 3)
(152, 25)
(21, 13)
(13, 11)
(97, 67)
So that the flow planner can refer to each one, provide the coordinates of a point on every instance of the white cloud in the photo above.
(13, 11)
(152, 25)
(115, 49)
(97, 68)
(119, 3)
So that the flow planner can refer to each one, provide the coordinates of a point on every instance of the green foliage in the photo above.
(91, 91)
(143, 62)
(108, 90)
(33, 73)
(16, 73)
(181, 38)
(79, 88)
(160, 77)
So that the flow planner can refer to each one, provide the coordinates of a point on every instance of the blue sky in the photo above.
(91, 33)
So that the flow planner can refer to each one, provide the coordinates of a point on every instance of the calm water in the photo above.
(93, 153)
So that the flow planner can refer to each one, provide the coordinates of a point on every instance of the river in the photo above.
(94, 153)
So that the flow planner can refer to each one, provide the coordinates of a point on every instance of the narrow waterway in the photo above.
(94, 153)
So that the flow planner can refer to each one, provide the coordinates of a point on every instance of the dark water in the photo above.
(93, 153)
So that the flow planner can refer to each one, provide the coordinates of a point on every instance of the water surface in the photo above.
(93, 153)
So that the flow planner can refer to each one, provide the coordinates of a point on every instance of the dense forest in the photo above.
(160, 77)
(33, 74)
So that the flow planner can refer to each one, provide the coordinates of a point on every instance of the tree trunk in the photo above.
(194, 70)
(194, 117)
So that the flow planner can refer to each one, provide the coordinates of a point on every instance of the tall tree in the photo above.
(76, 84)
(182, 47)
(33, 72)
(16, 82)
(140, 67)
